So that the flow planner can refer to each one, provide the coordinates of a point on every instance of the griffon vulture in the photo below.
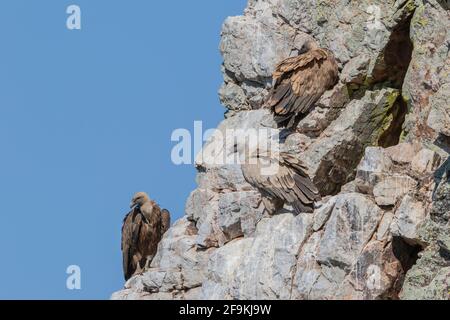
(142, 230)
(281, 178)
(298, 82)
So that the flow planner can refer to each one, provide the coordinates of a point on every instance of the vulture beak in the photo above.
(132, 205)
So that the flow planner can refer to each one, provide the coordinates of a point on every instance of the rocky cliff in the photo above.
(377, 146)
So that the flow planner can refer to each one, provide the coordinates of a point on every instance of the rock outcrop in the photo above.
(377, 146)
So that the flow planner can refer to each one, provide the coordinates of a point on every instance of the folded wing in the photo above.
(299, 82)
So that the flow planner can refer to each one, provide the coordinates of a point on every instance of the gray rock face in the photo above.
(373, 167)
(425, 161)
(355, 71)
(403, 153)
(429, 277)
(328, 109)
(376, 145)
(239, 213)
(271, 277)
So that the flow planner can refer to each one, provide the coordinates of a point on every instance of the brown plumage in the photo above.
(298, 83)
(289, 183)
(142, 230)
(165, 220)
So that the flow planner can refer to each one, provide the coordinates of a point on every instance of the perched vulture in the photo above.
(143, 228)
(289, 183)
(298, 83)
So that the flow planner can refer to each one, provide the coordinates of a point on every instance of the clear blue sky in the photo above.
(85, 121)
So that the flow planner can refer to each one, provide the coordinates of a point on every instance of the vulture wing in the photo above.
(299, 82)
(290, 184)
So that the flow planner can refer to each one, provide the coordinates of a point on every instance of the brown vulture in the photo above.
(287, 182)
(298, 82)
(142, 230)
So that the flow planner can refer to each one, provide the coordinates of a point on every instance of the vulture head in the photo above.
(308, 46)
(139, 199)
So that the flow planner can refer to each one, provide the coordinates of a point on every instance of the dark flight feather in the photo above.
(299, 82)
(142, 230)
